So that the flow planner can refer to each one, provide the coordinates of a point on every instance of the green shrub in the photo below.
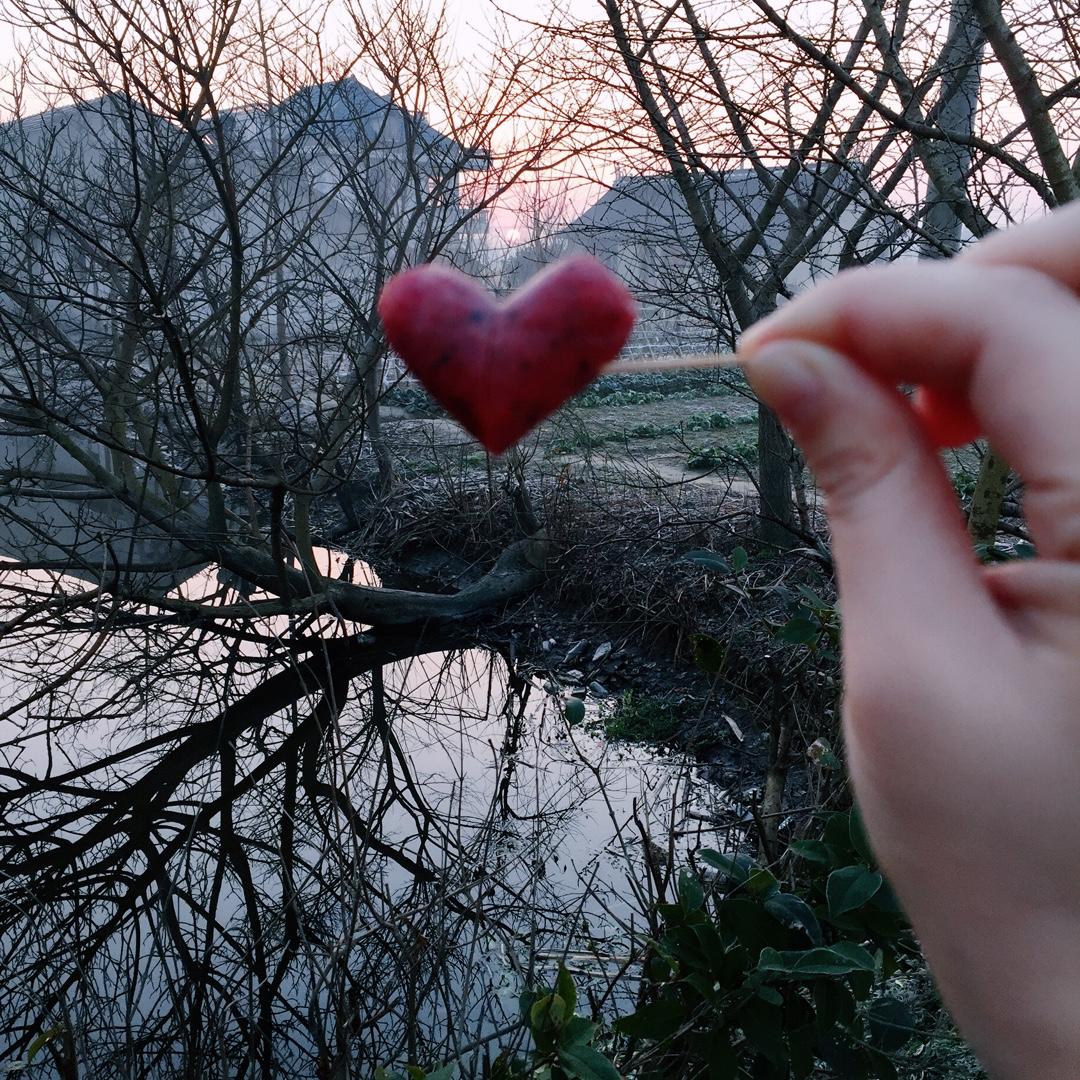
(751, 977)
(714, 421)
(748, 978)
(639, 718)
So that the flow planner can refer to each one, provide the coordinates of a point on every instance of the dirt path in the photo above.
(651, 444)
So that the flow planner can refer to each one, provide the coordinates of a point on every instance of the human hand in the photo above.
(962, 683)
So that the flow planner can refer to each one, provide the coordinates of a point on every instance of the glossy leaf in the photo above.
(891, 1022)
(795, 912)
(844, 958)
(813, 851)
(761, 883)
(711, 560)
(849, 888)
(691, 894)
(585, 1063)
(735, 867)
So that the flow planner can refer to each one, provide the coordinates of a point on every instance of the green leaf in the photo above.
(711, 560)
(585, 1063)
(739, 559)
(505, 1067)
(892, 1024)
(565, 988)
(526, 1000)
(816, 851)
(41, 1040)
(813, 599)
(691, 894)
(795, 912)
(574, 710)
(883, 1068)
(735, 867)
(822, 755)
(715, 1048)
(833, 1004)
(577, 1030)
(763, 1025)
(849, 888)
(446, 1072)
(862, 983)
(745, 922)
(710, 655)
(837, 832)
(657, 1021)
(859, 840)
(548, 1014)
(801, 1049)
(761, 883)
(885, 900)
(842, 959)
(799, 631)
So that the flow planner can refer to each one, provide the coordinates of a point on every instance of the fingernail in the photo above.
(787, 376)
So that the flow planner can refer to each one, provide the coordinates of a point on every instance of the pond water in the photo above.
(359, 876)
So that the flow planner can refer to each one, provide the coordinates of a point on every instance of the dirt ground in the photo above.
(696, 440)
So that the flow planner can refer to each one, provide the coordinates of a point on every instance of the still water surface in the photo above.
(545, 843)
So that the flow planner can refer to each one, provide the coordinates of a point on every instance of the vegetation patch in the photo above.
(643, 719)
(741, 454)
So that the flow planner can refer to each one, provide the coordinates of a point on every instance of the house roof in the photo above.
(650, 208)
(347, 111)
(343, 110)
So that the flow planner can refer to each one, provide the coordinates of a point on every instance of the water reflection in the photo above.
(303, 851)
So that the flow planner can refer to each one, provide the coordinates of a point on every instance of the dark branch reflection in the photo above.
(293, 847)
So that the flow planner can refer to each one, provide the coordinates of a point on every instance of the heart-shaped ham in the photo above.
(500, 367)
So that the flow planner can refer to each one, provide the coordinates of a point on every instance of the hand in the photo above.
(962, 684)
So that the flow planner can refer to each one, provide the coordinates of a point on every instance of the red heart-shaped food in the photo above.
(500, 367)
(946, 418)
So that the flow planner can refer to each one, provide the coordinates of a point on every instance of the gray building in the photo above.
(148, 264)
(641, 229)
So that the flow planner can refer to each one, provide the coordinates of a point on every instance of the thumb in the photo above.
(904, 563)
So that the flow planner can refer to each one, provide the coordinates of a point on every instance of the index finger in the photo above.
(1050, 245)
(1005, 338)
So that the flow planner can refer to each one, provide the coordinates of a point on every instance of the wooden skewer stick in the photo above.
(674, 363)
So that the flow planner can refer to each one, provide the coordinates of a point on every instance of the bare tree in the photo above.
(761, 193)
(197, 764)
(989, 148)
(796, 141)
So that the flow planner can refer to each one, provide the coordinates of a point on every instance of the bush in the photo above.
(749, 976)
(638, 718)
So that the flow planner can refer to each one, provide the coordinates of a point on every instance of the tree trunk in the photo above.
(961, 63)
(986, 500)
(776, 515)
(781, 730)
(373, 421)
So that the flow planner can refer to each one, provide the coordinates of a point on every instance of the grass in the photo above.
(642, 719)
(644, 389)
(743, 452)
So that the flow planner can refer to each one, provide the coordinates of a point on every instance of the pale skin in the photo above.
(962, 683)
